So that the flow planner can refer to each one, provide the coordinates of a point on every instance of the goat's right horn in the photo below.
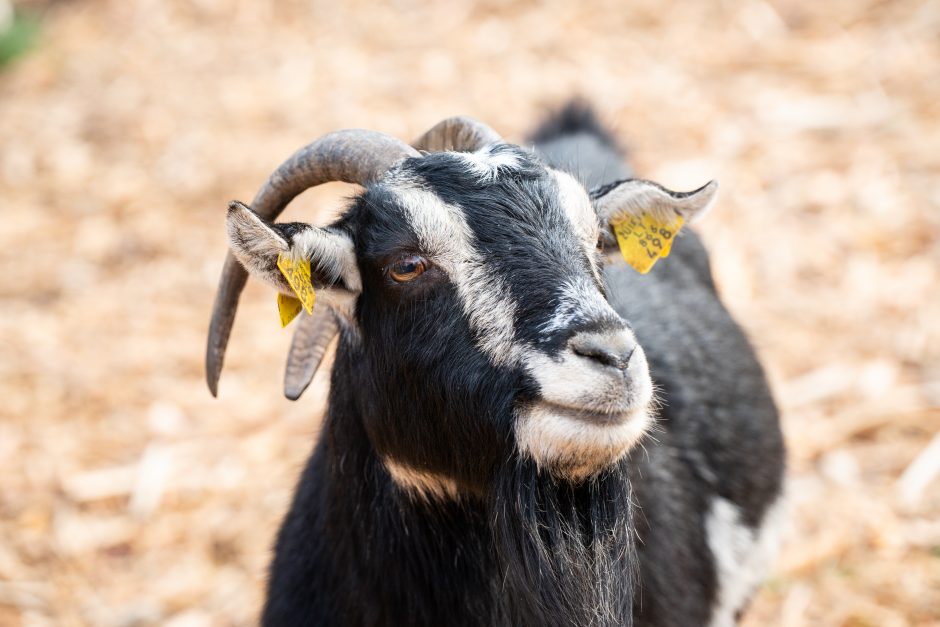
(461, 133)
(351, 156)
(311, 339)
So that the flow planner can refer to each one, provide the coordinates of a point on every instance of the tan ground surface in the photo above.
(128, 496)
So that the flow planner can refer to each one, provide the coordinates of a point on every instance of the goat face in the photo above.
(472, 288)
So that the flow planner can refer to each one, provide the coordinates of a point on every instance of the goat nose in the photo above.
(608, 349)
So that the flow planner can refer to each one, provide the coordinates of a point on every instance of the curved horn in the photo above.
(461, 133)
(351, 156)
(314, 333)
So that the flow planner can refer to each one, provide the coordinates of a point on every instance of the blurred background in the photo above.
(128, 496)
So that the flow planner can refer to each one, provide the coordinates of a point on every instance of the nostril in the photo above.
(597, 354)
(609, 351)
(626, 360)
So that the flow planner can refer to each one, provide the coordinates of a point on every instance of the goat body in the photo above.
(435, 496)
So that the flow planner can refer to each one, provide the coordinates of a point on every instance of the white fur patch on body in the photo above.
(742, 556)
(421, 483)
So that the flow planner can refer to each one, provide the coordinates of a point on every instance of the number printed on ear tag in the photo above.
(297, 274)
(644, 239)
(287, 308)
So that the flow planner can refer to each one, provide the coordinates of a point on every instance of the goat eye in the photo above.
(408, 268)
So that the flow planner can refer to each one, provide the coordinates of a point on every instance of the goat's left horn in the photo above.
(352, 156)
(461, 133)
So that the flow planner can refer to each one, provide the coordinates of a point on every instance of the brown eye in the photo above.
(408, 268)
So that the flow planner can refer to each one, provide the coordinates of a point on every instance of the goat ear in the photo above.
(257, 243)
(638, 197)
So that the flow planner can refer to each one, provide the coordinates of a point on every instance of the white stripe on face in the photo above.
(577, 207)
(444, 234)
(579, 300)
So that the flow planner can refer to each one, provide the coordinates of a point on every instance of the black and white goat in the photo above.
(483, 459)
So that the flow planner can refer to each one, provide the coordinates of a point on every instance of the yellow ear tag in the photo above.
(287, 308)
(644, 239)
(297, 274)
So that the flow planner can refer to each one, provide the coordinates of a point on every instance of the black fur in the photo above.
(518, 547)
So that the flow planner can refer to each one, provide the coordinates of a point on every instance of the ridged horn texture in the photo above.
(314, 333)
(460, 133)
(351, 156)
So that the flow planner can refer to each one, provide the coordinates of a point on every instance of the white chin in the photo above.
(577, 444)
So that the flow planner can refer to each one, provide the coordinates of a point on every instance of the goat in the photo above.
(494, 450)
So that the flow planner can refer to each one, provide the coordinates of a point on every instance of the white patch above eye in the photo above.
(742, 555)
(484, 164)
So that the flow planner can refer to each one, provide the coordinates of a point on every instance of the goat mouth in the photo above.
(576, 442)
(592, 416)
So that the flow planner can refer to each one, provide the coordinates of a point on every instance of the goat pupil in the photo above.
(408, 268)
